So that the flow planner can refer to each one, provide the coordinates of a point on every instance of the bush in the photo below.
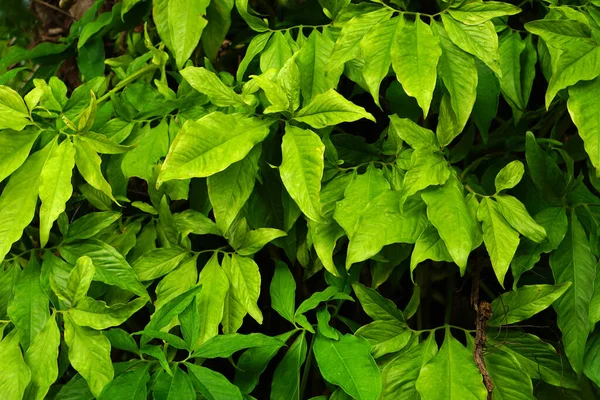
(324, 200)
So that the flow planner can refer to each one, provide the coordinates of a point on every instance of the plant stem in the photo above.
(307, 367)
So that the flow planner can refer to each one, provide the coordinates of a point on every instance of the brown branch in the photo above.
(60, 10)
(484, 312)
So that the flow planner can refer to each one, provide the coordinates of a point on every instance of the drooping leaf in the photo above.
(415, 56)
(330, 108)
(16, 374)
(244, 277)
(348, 363)
(211, 300)
(302, 169)
(89, 353)
(574, 262)
(451, 373)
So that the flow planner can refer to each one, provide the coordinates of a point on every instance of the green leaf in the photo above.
(331, 108)
(14, 149)
(415, 55)
(13, 109)
(348, 363)
(538, 359)
(500, 239)
(447, 210)
(175, 386)
(510, 381)
(347, 44)
(223, 346)
(80, 279)
(486, 103)
(163, 316)
(377, 48)
(97, 315)
(121, 340)
(41, 358)
(158, 262)
(591, 360)
(427, 168)
(511, 47)
(211, 300)
(28, 309)
(525, 302)
(371, 218)
(111, 267)
(430, 246)
(191, 221)
(212, 144)
(509, 176)
(478, 13)
(274, 93)
(208, 82)
(414, 135)
(19, 198)
(218, 15)
(130, 385)
(574, 262)
(554, 220)
(244, 277)
(277, 52)
(312, 62)
(253, 362)
(385, 337)
(517, 216)
(212, 385)
(451, 374)
(185, 27)
(230, 189)
(16, 375)
(301, 169)
(89, 353)
(579, 62)
(376, 306)
(152, 145)
(286, 379)
(88, 163)
(585, 119)
(544, 172)
(90, 224)
(479, 40)
(283, 291)
(400, 374)
(256, 239)
(257, 44)
(459, 74)
(253, 22)
(55, 186)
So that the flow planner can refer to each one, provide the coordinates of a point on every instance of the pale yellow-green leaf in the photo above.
(587, 118)
(89, 353)
(14, 149)
(479, 40)
(451, 374)
(55, 186)
(42, 359)
(211, 144)
(211, 300)
(186, 22)
(244, 277)
(415, 55)
(301, 169)
(88, 163)
(80, 279)
(15, 374)
(518, 217)
(501, 240)
(331, 108)
(476, 13)
(208, 82)
(13, 110)
(19, 199)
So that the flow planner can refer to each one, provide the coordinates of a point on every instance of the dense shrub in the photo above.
(294, 200)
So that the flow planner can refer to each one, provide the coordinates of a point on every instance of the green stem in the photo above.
(128, 80)
(307, 367)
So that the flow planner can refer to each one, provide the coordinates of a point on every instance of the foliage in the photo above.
(235, 204)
